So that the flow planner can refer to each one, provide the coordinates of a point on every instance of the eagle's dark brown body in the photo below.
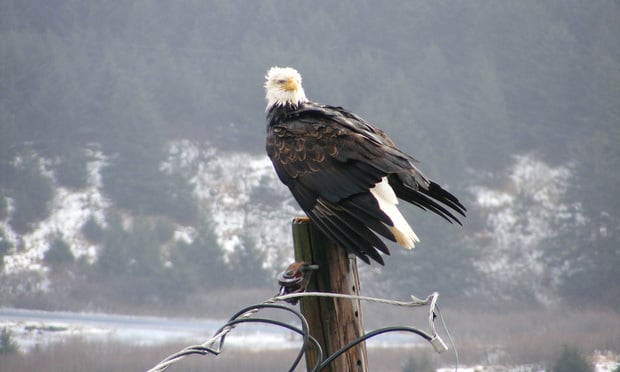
(331, 159)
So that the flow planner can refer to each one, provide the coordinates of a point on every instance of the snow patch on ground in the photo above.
(240, 195)
(69, 210)
(520, 217)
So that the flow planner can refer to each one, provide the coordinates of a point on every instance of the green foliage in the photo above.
(58, 253)
(135, 182)
(92, 230)
(132, 252)
(594, 268)
(452, 273)
(419, 362)
(114, 257)
(571, 360)
(71, 170)
(590, 282)
(4, 207)
(201, 261)
(30, 190)
(164, 229)
(247, 264)
(5, 247)
(132, 262)
(7, 344)
(143, 249)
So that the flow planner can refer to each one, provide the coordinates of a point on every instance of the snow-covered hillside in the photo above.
(528, 209)
(69, 211)
(237, 192)
(239, 195)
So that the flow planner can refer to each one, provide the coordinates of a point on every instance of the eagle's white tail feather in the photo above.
(403, 233)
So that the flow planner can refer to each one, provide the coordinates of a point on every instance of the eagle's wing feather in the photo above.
(348, 232)
(330, 165)
(424, 197)
(330, 159)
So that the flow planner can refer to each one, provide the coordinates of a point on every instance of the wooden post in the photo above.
(333, 322)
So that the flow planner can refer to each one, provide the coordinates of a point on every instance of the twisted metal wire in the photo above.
(214, 344)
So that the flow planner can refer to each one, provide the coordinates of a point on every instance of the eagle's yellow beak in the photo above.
(290, 85)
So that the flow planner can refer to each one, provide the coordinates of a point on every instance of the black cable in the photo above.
(233, 321)
(313, 340)
(366, 337)
(305, 332)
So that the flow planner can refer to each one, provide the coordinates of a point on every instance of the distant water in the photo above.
(36, 327)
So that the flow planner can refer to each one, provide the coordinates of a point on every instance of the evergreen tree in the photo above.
(30, 190)
(5, 247)
(7, 343)
(58, 253)
(571, 360)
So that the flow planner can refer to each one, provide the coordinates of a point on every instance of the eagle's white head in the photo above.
(282, 86)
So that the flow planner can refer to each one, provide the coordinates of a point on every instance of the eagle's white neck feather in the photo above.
(283, 86)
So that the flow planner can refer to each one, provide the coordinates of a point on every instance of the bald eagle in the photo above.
(346, 174)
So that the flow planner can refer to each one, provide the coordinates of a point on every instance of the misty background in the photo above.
(133, 176)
